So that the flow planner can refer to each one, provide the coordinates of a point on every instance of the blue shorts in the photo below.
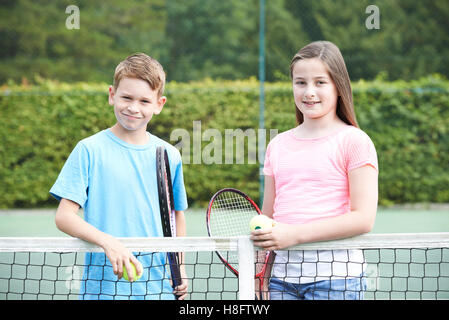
(342, 289)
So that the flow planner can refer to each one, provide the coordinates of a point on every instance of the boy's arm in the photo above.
(68, 221)
(180, 224)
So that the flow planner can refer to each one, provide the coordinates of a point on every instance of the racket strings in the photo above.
(230, 215)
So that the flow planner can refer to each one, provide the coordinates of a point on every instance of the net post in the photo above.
(246, 269)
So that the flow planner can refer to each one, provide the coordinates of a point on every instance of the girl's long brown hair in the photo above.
(331, 56)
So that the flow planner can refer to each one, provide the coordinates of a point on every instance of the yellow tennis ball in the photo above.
(260, 222)
(125, 273)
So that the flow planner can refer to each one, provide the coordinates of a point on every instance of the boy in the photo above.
(112, 176)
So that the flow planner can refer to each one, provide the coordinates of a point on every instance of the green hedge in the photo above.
(408, 122)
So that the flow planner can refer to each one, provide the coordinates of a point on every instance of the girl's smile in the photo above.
(310, 103)
(314, 90)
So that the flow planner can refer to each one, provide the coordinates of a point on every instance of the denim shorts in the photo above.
(341, 289)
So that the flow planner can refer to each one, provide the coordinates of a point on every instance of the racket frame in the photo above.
(261, 274)
(167, 211)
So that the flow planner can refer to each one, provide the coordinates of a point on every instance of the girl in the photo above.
(320, 183)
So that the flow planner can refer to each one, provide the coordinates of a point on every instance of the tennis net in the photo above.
(59, 269)
(395, 266)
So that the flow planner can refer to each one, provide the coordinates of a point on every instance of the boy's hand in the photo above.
(69, 222)
(181, 290)
(120, 257)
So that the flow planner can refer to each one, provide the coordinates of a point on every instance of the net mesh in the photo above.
(418, 273)
(59, 276)
(385, 274)
(60, 269)
(404, 268)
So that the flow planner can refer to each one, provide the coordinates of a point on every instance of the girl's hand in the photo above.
(120, 257)
(278, 237)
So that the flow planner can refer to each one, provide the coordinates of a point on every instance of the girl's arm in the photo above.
(363, 195)
(268, 196)
(67, 220)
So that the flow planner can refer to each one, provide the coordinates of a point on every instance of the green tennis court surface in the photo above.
(40, 223)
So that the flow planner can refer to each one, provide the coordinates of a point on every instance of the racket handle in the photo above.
(173, 261)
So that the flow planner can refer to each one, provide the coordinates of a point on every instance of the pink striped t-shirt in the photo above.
(311, 175)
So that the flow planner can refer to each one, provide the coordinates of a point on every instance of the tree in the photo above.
(211, 38)
(411, 42)
(37, 41)
(199, 39)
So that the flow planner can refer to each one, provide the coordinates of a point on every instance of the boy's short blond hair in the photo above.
(141, 66)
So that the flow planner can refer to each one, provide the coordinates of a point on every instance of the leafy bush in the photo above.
(408, 122)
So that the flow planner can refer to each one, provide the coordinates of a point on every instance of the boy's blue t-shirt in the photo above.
(115, 183)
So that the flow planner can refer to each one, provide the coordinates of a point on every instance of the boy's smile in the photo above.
(134, 105)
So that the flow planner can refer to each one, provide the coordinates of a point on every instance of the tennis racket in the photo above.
(166, 204)
(229, 214)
